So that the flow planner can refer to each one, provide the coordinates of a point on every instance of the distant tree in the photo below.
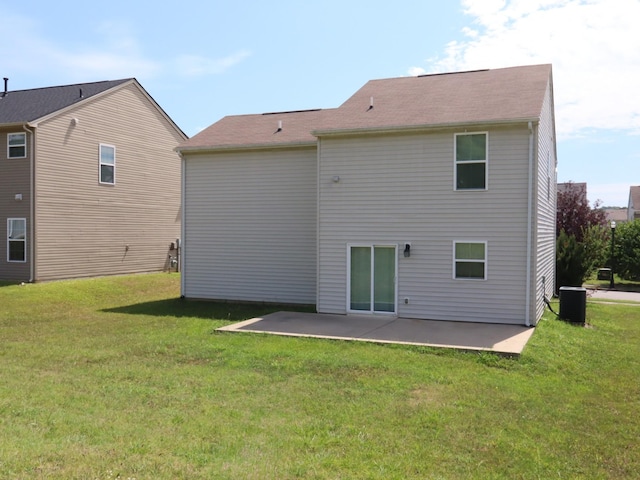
(627, 250)
(570, 271)
(582, 236)
(576, 261)
(574, 215)
(597, 243)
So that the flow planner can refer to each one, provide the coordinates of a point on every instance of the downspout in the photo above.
(32, 206)
(183, 208)
(529, 229)
(318, 199)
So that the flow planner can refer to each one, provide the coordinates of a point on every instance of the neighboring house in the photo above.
(579, 189)
(633, 210)
(618, 215)
(428, 197)
(89, 181)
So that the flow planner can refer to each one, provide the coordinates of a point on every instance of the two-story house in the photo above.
(428, 197)
(89, 181)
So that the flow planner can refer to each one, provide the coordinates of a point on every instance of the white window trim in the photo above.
(485, 261)
(100, 164)
(485, 161)
(371, 246)
(24, 134)
(9, 221)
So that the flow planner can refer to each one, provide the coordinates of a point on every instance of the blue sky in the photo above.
(202, 60)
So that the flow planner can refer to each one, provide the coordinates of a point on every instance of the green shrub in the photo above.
(576, 260)
(627, 250)
(596, 241)
(570, 271)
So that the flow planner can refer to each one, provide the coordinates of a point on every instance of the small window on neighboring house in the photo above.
(16, 240)
(470, 161)
(17, 145)
(107, 164)
(470, 260)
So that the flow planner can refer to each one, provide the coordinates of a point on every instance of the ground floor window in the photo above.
(470, 260)
(17, 240)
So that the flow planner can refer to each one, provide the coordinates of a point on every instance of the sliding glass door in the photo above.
(372, 275)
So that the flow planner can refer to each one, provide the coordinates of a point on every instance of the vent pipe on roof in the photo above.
(279, 126)
(6, 84)
(370, 103)
(81, 96)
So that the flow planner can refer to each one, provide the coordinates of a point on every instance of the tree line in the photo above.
(583, 241)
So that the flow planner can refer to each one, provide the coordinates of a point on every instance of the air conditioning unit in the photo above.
(573, 304)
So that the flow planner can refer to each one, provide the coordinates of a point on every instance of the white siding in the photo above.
(399, 188)
(545, 208)
(250, 226)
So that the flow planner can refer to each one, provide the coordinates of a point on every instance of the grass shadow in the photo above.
(180, 308)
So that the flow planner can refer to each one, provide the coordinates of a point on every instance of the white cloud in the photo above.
(415, 71)
(113, 51)
(592, 44)
(195, 65)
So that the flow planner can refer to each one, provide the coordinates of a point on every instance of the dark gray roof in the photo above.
(21, 106)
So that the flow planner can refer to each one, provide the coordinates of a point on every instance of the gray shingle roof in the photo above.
(484, 96)
(21, 106)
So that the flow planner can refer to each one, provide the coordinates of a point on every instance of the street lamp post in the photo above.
(613, 240)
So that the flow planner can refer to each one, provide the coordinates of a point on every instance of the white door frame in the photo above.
(372, 246)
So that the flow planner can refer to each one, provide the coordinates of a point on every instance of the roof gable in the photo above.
(22, 106)
(482, 96)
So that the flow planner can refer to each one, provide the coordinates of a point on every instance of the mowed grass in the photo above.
(118, 378)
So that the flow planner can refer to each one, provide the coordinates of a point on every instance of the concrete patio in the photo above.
(502, 339)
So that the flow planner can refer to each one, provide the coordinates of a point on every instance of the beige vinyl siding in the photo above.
(14, 179)
(250, 226)
(399, 188)
(545, 208)
(85, 228)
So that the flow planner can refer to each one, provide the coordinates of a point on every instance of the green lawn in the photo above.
(118, 378)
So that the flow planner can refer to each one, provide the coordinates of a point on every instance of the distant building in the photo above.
(567, 187)
(633, 210)
(617, 215)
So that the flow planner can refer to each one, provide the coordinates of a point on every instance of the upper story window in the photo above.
(107, 164)
(471, 156)
(470, 260)
(16, 240)
(17, 145)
